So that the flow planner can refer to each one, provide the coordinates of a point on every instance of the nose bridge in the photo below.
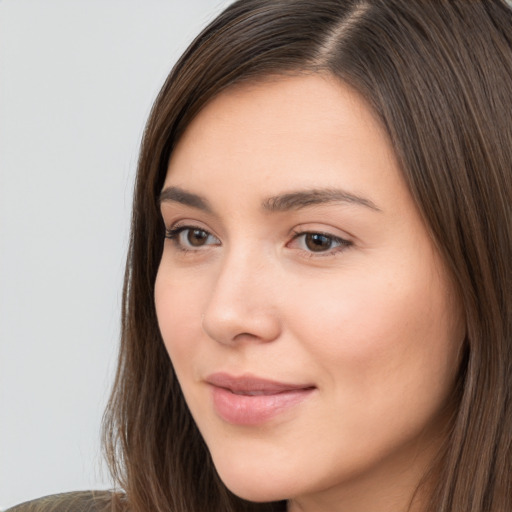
(241, 304)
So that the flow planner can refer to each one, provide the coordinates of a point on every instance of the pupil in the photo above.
(197, 237)
(317, 242)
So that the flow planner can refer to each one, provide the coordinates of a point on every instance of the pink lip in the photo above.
(249, 400)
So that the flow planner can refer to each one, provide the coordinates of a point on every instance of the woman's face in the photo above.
(306, 311)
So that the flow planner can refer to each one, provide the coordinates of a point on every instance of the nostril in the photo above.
(245, 336)
(240, 325)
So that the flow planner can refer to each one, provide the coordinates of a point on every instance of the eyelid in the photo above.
(174, 225)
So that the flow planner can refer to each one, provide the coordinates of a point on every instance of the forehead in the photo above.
(293, 107)
(289, 132)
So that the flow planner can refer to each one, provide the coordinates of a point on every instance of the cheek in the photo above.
(178, 308)
(383, 336)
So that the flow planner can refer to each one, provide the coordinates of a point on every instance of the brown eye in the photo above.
(196, 237)
(190, 237)
(317, 242)
(321, 244)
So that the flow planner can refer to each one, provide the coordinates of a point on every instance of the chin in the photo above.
(253, 485)
(255, 491)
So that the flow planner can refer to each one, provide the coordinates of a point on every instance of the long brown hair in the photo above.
(438, 73)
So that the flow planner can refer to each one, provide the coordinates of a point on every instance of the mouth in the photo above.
(249, 400)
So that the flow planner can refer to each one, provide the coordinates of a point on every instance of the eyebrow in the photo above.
(303, 199)
(280, 203)
(178, 195)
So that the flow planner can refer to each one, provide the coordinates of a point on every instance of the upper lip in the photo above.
(251, 384)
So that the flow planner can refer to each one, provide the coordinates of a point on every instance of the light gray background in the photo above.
(77, 79)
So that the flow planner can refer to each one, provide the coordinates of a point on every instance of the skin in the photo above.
(372, 323)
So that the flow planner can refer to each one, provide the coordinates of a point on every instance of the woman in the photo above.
(317, 311)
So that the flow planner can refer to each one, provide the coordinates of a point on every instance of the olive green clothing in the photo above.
(78, 501)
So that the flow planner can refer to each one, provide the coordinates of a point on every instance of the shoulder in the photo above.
(78, 501)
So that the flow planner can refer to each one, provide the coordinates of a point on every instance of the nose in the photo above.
(242, 305)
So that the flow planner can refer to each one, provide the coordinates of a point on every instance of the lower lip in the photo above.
(256, 409)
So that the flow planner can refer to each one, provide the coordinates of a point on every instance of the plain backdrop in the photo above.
(77, 80)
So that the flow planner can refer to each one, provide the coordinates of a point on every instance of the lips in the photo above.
(249, 400)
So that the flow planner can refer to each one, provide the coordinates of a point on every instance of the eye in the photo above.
(191, 237)
(313, 242)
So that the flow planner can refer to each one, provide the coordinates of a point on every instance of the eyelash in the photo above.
(341, 243)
